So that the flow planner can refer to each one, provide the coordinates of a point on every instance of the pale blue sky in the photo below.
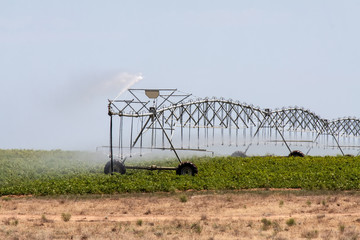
(57, 56)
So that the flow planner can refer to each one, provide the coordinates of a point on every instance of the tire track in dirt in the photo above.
(125, 218)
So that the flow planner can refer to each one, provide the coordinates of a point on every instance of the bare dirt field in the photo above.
(263, 214)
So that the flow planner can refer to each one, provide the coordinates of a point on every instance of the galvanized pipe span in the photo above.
(170, 119)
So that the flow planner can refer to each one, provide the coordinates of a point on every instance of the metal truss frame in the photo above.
(167, 109)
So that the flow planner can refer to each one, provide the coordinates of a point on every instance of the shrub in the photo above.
(290, 222)
(139, 222)
(183, 198)
(310, 234)
(266, 224)
(196, 228)
(66, 217)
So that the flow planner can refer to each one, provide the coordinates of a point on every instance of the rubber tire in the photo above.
(296, 153)
(118, 167)
(238, 154)
(187, 168)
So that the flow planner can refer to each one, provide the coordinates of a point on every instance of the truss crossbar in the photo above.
(174, 111)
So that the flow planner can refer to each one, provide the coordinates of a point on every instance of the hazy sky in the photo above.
(61, 60)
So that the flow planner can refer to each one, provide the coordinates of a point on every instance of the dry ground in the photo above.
(191, 215)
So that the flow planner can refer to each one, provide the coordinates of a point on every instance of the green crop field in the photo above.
(65, 172)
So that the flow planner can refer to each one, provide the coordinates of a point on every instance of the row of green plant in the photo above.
(17, 166)
(59, 172)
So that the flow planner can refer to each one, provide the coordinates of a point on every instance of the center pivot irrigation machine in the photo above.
(166, 119)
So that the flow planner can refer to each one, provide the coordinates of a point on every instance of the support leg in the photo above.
(111, 148)
(167, 137)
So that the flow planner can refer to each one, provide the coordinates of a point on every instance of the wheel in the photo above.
(296, 153)
(187, 168)
(118, 167)
(238, 154)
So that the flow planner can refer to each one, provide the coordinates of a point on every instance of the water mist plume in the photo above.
(81, 107)
(125, 81)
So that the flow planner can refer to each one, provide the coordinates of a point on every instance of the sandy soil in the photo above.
(191, 215)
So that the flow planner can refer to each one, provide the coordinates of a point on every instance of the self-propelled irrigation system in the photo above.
(166, 119)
